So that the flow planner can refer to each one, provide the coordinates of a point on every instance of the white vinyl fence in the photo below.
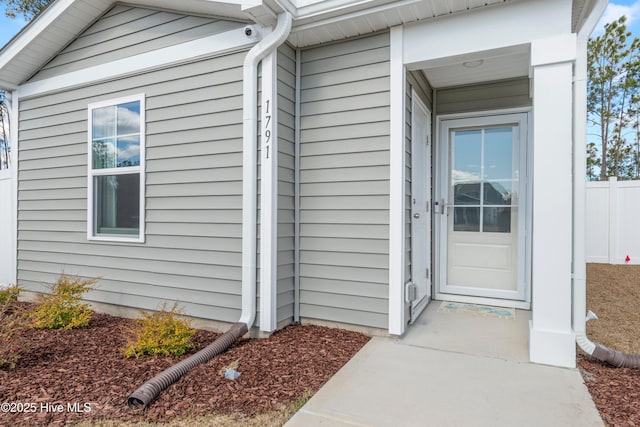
(7, 238)
(613, 222)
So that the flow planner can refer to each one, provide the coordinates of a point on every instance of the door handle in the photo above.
(416, 215)
(440, 207)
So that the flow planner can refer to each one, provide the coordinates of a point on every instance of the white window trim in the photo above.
(91, 173)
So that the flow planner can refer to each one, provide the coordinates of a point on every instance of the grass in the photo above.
(268, 419)
(613, 293)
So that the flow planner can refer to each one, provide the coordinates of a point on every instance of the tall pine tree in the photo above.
(613, 101)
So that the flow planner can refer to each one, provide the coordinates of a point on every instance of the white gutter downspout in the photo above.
(250, 162)
(579, 180)
(147, 392)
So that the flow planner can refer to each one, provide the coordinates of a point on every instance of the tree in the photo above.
(28, 8)
(613, 100)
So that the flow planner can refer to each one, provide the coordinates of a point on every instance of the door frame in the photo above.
(440, 148)
(418, 305)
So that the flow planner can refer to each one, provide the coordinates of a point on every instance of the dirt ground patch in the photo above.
(613, 293)
(81, 376)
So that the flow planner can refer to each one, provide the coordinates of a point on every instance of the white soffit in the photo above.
(315, 24)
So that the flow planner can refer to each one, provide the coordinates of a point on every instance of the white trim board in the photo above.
(208, 46)
(269, 195)
(397, 320)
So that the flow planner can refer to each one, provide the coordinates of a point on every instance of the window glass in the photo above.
(117, 203)
(116, 147)
(115, 134)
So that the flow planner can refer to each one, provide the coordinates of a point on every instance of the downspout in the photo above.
(296, 203)
(579, 179)
(596, 350)
(250, 162)
(150, 390)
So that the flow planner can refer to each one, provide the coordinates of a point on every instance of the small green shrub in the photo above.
(9, 295)
(63, 308)
(162, 333)
(13, 324)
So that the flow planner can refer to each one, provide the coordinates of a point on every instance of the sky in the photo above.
(9, 27)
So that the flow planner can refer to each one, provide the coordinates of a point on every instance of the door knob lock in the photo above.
(416, 215)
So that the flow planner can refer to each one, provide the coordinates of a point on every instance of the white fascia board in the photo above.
(485, 29)
(207, 46)
(269, 195)
(397, 319)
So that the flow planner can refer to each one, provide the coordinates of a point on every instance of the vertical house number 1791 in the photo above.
(267, 129)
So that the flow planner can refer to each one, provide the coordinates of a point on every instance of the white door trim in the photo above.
(521, 299)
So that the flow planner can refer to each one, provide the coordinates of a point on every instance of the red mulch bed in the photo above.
(87, 366)
(613, 293)
(615, 391)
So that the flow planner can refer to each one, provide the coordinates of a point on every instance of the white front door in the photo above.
(420, 206)
(483, 208)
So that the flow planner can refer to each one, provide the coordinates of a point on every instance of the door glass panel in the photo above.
(466, 219)
(467, 155)
(498, 154)
(466, 193)
(496, 220)
(483, 177)
(497, 193)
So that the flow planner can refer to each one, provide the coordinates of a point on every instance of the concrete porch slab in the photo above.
(429, 378)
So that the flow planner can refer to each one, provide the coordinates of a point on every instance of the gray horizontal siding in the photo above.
(486, 96)
(344, 182)
(286, 61)
(125, 31)
(192, 251)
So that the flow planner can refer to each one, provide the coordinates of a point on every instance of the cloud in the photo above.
(615, 11)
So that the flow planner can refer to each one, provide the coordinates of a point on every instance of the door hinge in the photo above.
(427, 272)
(411, 292)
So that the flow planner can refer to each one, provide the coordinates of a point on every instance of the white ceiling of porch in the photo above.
(479, 67)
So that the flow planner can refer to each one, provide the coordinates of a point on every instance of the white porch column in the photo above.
(551, 339)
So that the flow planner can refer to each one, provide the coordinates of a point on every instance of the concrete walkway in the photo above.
(451, 369)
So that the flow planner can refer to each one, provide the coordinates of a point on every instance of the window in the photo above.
(483, 179)
(116, 170)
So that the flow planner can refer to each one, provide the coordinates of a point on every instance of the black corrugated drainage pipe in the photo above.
(604, 354)
(148, 392)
